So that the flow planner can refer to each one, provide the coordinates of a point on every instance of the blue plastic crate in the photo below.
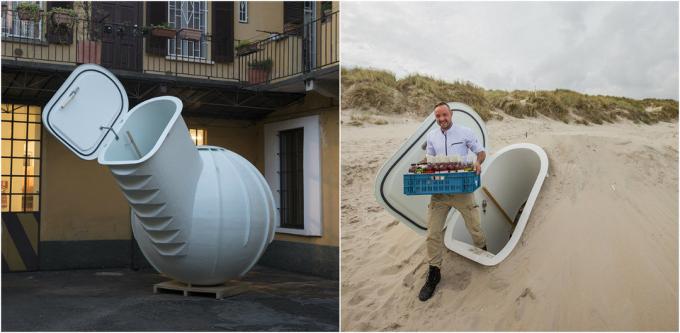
(441, 183)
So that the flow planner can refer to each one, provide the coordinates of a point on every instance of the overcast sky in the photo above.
(622, 49)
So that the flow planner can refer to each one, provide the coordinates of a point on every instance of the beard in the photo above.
(444, 124)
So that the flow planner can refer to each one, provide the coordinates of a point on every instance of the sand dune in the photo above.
(600, 251)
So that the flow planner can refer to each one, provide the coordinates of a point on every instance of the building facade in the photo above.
(257, 78)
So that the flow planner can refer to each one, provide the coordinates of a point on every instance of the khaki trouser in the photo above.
(440, 205)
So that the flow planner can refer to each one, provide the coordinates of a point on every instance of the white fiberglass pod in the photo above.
(201, 215)
(513, 175)
(511, 181)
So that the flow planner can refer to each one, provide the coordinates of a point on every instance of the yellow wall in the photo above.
(265, 16)
(330, 157)
(237, 136)
(80, 199)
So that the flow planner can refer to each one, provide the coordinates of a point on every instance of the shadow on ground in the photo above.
(123, 300)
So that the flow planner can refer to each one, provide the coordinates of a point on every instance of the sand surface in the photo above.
(600, 250)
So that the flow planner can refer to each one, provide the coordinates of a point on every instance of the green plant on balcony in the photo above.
(62, 16)
(28, 11)
(266, 64)
(245, 46)
(60, 25)
(258, 71)
(163, 30)
(326, 8)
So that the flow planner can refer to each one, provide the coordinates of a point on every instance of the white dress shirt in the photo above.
(457, 140)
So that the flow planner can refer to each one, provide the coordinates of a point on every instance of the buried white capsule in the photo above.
(511, 180)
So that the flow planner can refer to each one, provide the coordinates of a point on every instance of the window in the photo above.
(188, 14)
(290, 177)
(12, 26)
(21, 133)
(292, 164)
(198, 136)
(243, 11)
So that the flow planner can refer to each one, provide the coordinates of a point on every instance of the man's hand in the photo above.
(481, 156)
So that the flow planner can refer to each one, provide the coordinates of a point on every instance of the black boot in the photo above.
(433, 278)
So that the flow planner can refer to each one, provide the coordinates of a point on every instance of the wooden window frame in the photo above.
(313, 224)
(36, 176)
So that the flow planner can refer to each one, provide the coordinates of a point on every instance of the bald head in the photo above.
(442, 113)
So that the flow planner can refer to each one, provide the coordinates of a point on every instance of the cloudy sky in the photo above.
(622, 49)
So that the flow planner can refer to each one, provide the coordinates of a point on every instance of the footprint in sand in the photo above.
(374, 209)
(391, 224)
(392, 327)
(409, 279)
(521, 301)
(461, 280)
(382, 291)
(498, 283)
(391, 270)
(356, 299)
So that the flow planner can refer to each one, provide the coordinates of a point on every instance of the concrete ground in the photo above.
(123, 300)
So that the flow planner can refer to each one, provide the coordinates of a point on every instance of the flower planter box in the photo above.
(62, 19)
(258, 75)
(190, 34)
(89, 52)
(26, 15)
(163, 32)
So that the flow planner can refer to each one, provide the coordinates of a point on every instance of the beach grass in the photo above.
(380, 91)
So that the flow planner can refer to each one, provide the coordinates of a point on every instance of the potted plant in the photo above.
(190, 34)
(28, 11)
(163, 30)
(326, 8)
(258, 71)
(246, 47)
(60, 26)
(62, 16)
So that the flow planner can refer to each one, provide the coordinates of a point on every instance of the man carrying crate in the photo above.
(450, 139)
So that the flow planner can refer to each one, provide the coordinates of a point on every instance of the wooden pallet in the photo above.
(228, 289)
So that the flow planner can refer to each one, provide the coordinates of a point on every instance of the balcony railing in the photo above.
(299, 50)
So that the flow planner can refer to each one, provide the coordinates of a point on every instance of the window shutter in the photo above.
(293, 12)
(222, 31)
(156, 14)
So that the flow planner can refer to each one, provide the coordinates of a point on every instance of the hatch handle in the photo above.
(110, 129)
(70, 97)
